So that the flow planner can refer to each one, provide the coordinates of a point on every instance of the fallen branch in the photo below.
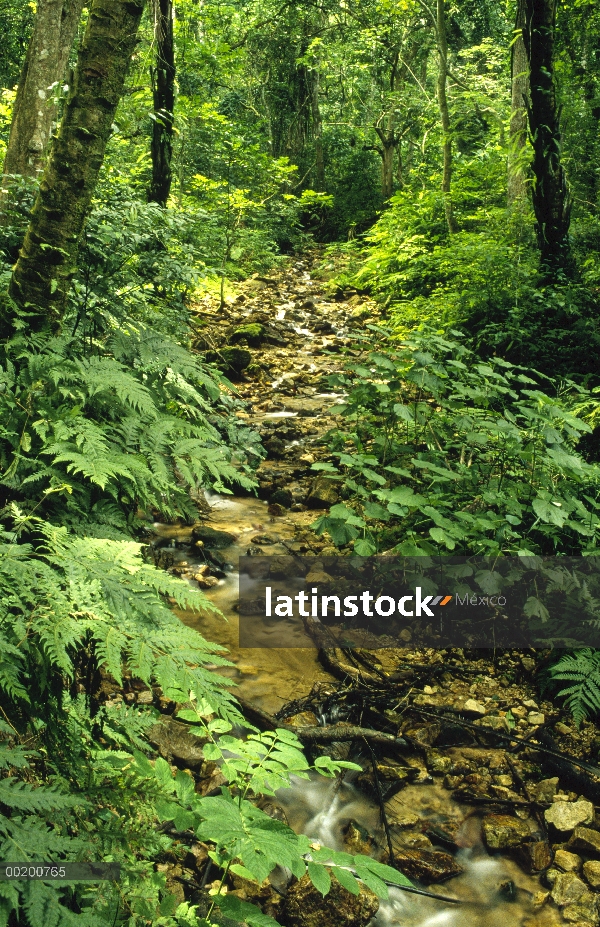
(320, 735)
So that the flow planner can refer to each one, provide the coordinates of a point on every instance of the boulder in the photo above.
(211, 537)
(568, 888)
(304, 906)
(566, 815)
(232, 361)
(322, 494)
(174, 742)
(281, 497)
(252, 334)
(586, 840)
(503, 832)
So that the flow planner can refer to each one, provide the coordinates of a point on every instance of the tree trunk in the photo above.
(163, 79)
(45, 64)
(442, 43)
(389, 143)
(517, 189)
(317, 134)
(551, 202)
(42, 276)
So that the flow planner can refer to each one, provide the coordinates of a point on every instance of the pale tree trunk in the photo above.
(42, 276)
(517, 188)
(317, 122)
(551, 201)
(163, 79)
(442, 96)
(45, 64)
(388, 146)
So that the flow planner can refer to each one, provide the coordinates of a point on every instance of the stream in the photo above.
(288, 401)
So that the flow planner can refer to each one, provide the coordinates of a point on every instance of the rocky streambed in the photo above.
(472, 784)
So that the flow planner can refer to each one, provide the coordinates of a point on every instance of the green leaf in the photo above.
(319, 876)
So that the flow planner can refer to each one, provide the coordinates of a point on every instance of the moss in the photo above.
(252, 334)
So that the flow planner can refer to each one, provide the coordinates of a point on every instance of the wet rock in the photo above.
(264, 539)
(211, 537)
(566, 815)
(206, 582)
(568, 862)
(438, 764)
(252, 334)
(322, 494)
(303, 719)
(536, 718)
(507, 890)
(275, 447)
(357, 840)
(586, 840)
(412, 840)
(281, 497)
(535, 857)
(591, 872)
(567, 889)
(503, 832)
(276, 510)
(175, 743)
(304, 906)
(445, 833)
(402, 818)
(427, 866)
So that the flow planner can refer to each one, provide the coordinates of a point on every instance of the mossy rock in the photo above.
(232, 361)
(252, 334)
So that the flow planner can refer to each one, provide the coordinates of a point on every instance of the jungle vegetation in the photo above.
(445, 157)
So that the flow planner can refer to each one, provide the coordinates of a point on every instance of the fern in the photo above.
(582, 670)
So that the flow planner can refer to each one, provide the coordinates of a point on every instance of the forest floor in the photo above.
(478, 765)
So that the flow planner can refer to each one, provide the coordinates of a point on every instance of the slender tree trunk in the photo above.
(45, 64)
(163, 78)
(42, 276)
(517, 189)
(551, 202)
(317, 134)
(442, 96)
(388, 146)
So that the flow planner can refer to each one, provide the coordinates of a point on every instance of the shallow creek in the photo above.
(494, 891)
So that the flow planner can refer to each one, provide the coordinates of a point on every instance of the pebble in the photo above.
(476, 707)
(536, 718)
(567, 889)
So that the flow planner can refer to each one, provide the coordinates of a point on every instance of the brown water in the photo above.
(268, 677)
